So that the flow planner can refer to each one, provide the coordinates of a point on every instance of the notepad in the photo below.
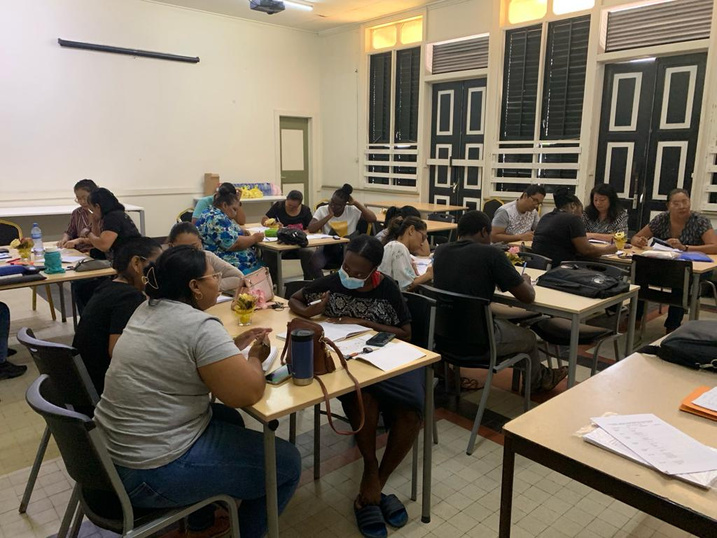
(337, 331)
(391, 356)
(701, 402)
(422, 264)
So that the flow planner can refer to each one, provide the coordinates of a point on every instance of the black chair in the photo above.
(464, 338)
(291, 287)
(98, 486)
(438, 238)
(515, 314)
(661, 281)
(557, 331)
(491, 205)
(72, 388)
(535, 261)
(185, 215)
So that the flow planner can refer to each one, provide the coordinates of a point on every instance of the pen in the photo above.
(317, 301)
(525, 264)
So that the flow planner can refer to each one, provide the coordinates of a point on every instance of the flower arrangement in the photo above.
(513, 257)
(243, 306)
(21, 244)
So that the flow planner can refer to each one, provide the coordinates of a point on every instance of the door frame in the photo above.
(314, 150)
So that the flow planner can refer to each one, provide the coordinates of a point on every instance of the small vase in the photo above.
(244, 316)
(25, 254)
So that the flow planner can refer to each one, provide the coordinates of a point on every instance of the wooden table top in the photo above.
(431, 225)
(637, 384)
(282, 400)
(421, 206)
(276, 246)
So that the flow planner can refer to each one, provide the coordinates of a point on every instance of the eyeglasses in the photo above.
(81, 200)
(215, 276)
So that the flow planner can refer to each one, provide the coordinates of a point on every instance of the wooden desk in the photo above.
(431, 225)
(282, 400)
(638, 384)
(423, 207)
(575, 308)
(41, 211)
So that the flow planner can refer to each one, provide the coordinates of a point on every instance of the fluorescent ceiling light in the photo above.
(298, 4)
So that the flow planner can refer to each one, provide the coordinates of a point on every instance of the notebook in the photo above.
(337, 331)
(269, 361)
(707, 397)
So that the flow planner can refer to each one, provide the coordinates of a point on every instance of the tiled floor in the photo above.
(466, 489)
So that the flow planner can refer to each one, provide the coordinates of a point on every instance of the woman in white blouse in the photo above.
(410, 233)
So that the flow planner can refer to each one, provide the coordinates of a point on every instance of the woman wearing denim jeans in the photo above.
(8, 370)
(170, 445)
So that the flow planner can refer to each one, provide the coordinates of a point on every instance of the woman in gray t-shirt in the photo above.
(170, 445)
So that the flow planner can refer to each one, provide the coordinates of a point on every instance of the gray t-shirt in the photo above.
(515, 223)
(155, 405)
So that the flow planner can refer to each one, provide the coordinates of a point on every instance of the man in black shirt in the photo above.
(473, 267)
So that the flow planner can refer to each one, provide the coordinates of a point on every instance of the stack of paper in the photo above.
(702, 402)
(653, 442)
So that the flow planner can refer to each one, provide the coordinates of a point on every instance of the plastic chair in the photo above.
(10, 231)
(185, 215)
(536, 261)
(556, 331)
(72, 388)
(98, 486)
(491, 205)
(464, 338)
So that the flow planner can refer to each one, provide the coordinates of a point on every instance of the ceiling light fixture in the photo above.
(298, 4)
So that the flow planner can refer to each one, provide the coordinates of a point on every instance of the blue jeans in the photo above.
(4, 331)
(226, 459)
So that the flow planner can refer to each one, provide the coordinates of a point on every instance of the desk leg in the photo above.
(279, 275)
(695, 299)
(62, 302)
(317, 441)
(630, 339)
(573, 360)
(506, 491)
(427, 446)
(292, 428)
(272, 498)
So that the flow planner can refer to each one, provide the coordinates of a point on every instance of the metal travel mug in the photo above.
(302, 356)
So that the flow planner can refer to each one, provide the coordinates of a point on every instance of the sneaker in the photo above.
(550, 379)
(9, 370)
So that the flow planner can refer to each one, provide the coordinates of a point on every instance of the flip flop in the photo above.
(370, 522)
(393, 511)
(468, 383)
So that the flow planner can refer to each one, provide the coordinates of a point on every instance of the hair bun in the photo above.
(348, 189)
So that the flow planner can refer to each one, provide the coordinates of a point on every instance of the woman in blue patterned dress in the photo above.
(224, 237)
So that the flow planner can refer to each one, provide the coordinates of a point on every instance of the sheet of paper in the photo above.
(708, 400)
(392, 355)
(318, 236)
(223, 299)
(422, 264)
(270, 239)
(73, 259)
(353, 346)
(598, 242)
(269, 361)
(337, 331)
(257, 229)
(601, 438)
(662, 445)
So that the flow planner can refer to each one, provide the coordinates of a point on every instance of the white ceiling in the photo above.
(326, 14)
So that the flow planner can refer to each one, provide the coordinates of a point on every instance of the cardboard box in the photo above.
(211, 183)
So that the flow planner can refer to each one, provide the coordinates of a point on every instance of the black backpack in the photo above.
(585, 282)
(694, 345)
(292, 236)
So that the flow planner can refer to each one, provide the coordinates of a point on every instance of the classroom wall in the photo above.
(147, 129)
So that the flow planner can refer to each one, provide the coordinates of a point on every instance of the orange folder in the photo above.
(690, 407)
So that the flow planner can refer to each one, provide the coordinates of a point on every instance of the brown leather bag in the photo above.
(323, 364)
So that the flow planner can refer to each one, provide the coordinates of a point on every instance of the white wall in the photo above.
(147, 129)
(459, 19)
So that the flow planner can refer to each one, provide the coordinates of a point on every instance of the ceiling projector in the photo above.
(267, 6)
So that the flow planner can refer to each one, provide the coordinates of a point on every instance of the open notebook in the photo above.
(337, 331)
(269, 361)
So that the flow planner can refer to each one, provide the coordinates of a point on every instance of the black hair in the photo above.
(410, 211)
(143, 247)
(181, 228)
(367, 247)
(170, 275)
(534, 189)
(226, 188)
(85, 185)
(398, 226)
(472, 223)
(224, 197)
(106, 200)
(563, 197)
(677, 191)
(604, 189)
(296, 196)
(344, 193)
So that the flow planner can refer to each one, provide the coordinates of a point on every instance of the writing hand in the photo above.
(318, 308)
(251, 335)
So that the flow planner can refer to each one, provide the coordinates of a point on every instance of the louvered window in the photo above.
(564, 81)
(658, 24)
(408, 72)
(520, 79)
(380, 98)
(460, 55)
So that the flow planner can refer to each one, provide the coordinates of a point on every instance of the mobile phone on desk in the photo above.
(278, 376)
(380, 339)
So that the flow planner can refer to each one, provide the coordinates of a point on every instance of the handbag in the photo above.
(323, 364)
(90, 264)
(292, 236)
(584, 282)
(694, 344)
(259, 284)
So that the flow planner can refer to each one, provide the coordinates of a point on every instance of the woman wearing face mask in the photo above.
(111, 306)
(224, 237)
(185, 233)
(80, 219)
(360, 294)
(604, 217)
(410, 233)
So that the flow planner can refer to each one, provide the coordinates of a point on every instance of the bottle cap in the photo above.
(301, 335)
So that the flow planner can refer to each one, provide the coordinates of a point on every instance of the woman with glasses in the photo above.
(111, 306)
(517, 220)
(409, 234)
(80, 220)
(604, 217)
(171, 446)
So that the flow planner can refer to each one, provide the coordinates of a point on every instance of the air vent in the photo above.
(460, 55)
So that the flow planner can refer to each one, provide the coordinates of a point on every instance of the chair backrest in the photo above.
(423, 319)
(662, 281)
(320, 203)
(9, 231)
(441, 217)
(609, 270)
(69, 379)
(88, 463)
(536, 261)
(464, 324)
(185, 215)
(491, 205)
(290, 288)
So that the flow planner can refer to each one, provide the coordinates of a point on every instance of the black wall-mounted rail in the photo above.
(128, 52)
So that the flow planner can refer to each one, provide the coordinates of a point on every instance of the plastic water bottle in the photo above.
(37, 248)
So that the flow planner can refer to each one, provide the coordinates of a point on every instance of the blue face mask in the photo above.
(350, 282)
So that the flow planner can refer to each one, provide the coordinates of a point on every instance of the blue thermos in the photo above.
(302, 356)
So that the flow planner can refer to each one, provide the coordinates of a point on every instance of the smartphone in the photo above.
(380, 339)
(278, 376)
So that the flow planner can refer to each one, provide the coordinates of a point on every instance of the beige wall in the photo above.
(147, 129)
